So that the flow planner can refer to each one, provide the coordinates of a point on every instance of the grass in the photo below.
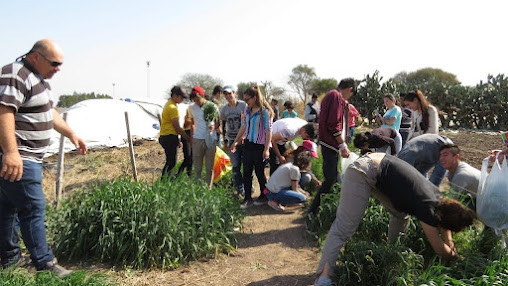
(21, 277)
(163, 225)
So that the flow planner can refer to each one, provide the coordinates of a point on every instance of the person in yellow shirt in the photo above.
(170, 128)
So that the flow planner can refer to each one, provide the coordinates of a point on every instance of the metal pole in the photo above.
(60, 169)
(113, 90)
(131, 148)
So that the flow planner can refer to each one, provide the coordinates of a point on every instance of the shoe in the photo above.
(21, 262)
(276, 206)
(246, 204)
(324, 281)
(56, 268)
(261, 201)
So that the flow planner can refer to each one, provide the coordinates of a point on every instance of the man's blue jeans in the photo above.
(236, 162)
(24, 200)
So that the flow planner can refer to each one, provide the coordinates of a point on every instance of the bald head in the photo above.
(46, 57)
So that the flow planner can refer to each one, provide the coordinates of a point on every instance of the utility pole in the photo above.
(148, 79)
(114, 90)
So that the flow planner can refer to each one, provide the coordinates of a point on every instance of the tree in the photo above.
(422, 76)
(322, 86)
(69, 100)
(301, 81)
(206, 81)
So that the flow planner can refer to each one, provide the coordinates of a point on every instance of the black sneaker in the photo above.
(56, 268)
(261, 201)
(246, 204)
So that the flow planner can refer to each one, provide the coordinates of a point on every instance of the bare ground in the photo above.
(273, 248)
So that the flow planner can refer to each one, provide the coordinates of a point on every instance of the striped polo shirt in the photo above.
(255, 128)
(30, 96)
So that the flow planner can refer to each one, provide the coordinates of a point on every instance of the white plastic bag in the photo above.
(492, 196)
(345, 162)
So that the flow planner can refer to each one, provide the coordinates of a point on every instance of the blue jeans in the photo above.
(24, 200)
(287, 197)
(236, 162)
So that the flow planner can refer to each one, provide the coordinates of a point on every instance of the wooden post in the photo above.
(131, 148)
(60, 169)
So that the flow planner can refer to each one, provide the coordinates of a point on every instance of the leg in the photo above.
(187, 156)
(330, 163)
(287, 197)
(236, 162)
(248, 168)
(398, 221)
(28, 198)
(259, 168)
(438, 174)
(210, 161)
(198, 153)
(170, 145)
(354, 199)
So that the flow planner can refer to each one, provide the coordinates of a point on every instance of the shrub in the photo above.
(20, 277)
(163, 224)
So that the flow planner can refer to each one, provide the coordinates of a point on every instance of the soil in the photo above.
(273, 247)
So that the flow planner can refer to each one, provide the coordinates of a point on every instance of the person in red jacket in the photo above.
(333, 129)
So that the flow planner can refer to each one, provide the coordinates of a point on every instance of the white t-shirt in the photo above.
(465, 179)
(200, 125)
(282, 178)
(288, 128)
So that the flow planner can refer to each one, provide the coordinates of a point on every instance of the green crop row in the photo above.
(21, 277)
(144, 225)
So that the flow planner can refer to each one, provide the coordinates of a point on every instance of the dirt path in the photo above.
(272, 250)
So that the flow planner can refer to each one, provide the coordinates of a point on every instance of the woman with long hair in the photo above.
(256, 133)
(425, 117)
(393, 115)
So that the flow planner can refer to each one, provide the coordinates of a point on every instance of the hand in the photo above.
(344, 153)
(80, 144)
(282, 160)
(266, 154)
(180, 144)
(12, 167)
(233, 147)
(318, 183)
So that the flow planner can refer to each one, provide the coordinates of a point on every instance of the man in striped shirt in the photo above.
(26, 119)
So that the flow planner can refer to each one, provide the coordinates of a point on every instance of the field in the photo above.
(273, 248)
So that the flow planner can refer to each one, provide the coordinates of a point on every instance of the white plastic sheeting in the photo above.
(101, 122)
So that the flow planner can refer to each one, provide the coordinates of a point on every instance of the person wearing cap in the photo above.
(312, 109)
(289, 111)
(170, 129)
(201, 128)
(333, 129)
(27, 118)
(284, 130)
(282, 188)
(231, 119)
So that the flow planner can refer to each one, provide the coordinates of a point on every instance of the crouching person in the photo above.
(282, 187)
(403, 191)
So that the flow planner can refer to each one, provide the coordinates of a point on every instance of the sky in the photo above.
(107, 44)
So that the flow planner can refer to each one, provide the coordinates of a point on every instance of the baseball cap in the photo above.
(177, 90)
(229, 88)
(311, 146)
(198, 90)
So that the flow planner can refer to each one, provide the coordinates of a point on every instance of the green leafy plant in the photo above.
(210, 111)
(164, 224)
(21, 277)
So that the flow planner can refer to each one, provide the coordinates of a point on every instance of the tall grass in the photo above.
(142, 225)
(21, 277)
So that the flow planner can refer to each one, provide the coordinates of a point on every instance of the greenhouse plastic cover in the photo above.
(101, 122)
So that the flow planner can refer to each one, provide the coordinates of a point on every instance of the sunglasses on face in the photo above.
(52, 63)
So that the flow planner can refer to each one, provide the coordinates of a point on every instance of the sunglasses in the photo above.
(52, 63)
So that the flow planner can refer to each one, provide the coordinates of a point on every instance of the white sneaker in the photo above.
(276, 206)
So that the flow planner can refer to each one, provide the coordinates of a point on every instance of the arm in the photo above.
(176, 124)
(12, 164)
(240, 134)
(268, 140)
(433, 121)
(61, 127)
(277, 137)
(389, 121)
(439, 243)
